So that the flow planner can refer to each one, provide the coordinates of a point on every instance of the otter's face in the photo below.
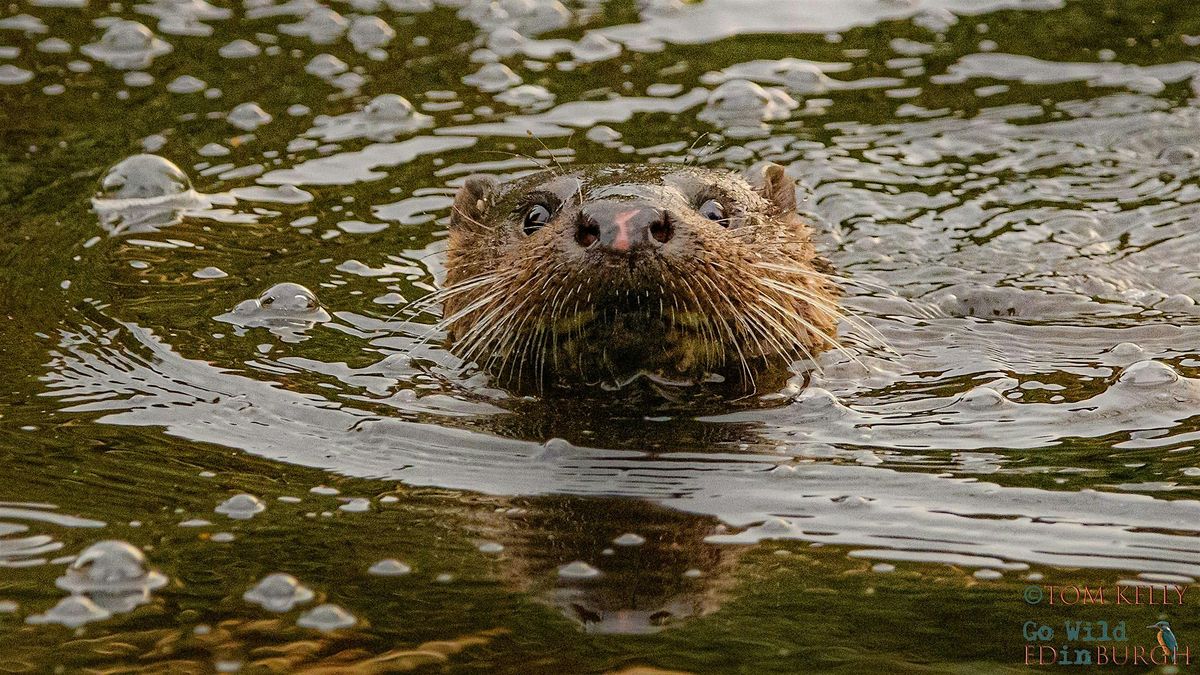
(601, 274)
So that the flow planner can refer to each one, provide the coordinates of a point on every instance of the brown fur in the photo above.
(540, 308)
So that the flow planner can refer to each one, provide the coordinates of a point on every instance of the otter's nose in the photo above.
(622, 227)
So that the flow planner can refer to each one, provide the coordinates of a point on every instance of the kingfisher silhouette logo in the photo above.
(1166, 640)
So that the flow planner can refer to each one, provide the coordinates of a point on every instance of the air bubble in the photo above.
(241, 507)
(53, 46)
(210, 273)
(322, 25)
(326, 617)
(369, 32)
(326, 66)
(72, 611)
(127, 45)
(389, 567)
(603, 134)
(356, 505)
(248, 116)
(382, 119)
(556, 448)
(143, 177)
(143, 193)
(239, 49)
(527, 96)
(492, 77)
(982, 398)
(595, 47)
(110, 567)
(578, 570)
(505, 42)
(1149, 374)
(186, 84)
(776, 526)
(10, 74)
(742, 101)
(1127, 350)
(278, 592)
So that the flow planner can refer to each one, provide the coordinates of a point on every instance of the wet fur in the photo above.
(533, 309)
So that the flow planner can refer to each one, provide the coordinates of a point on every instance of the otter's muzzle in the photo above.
(622, 227)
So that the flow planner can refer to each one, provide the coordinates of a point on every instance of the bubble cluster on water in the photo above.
(107, 578)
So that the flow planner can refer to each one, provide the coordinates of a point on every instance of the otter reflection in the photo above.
(654, 569)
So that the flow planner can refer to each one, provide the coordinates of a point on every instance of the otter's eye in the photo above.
(536, 218)
(713, 210)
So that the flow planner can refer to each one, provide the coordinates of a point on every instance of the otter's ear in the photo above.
(472, 201)
(770, 181)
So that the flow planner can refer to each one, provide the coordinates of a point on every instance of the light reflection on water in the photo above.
(1020, 230)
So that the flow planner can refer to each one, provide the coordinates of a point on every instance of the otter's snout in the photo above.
(622, 227)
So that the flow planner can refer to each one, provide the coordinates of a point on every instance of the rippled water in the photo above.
(226, 446)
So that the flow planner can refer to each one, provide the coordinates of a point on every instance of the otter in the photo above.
(601, 275)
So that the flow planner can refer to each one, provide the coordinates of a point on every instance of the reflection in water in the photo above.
(1016, 213)
(615, 566)
(784, 491)
(18, 546)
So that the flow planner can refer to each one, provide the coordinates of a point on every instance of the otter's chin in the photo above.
(613, 349)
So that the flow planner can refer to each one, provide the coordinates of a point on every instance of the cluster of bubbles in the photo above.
(107, 578)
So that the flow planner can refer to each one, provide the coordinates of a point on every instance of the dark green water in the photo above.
(1013, 186)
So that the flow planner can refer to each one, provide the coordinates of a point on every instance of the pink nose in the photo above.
(621, 227)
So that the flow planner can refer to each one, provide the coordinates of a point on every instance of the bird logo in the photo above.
(1166, 639)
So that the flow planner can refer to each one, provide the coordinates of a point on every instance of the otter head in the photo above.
(602, 274)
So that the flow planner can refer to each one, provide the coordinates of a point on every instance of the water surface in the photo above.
(206, 358)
